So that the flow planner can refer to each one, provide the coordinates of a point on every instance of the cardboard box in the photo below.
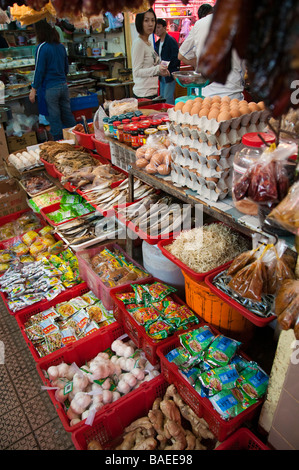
(14, 198)
(17, 143)
(4, 152)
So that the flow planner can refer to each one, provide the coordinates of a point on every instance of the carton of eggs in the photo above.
(25, 160)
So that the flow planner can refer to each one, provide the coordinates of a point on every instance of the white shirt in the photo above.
(145, 67)
(192, 47)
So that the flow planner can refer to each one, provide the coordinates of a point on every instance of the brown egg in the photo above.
(261, 105)
(224, 106)
(163, 169)
(224, 116)
(179, 106)
(213, 114)
(207, 100)
(198, 100)
(243, 102)
(195, 109)
(151, 169)
(235, 112)
(235, 100)
(244, 110)
(186, 108)
(141, 162)
(216, 99)
(189, 102)
(225, 99)
(203, 112)
(215, 105)
(253, 106)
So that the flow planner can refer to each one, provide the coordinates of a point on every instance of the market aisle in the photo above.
(28, 420)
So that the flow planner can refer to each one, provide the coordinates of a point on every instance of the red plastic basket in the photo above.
(194, 275)
(23, 316)
(141, 234)
(202, 406)
(94, 281)
(137, 332)
(85, 139)
(102, 148)
(108, 428)
(243, 439)
(255, 319)
(50, 168)
(55, 207)
(81, 353)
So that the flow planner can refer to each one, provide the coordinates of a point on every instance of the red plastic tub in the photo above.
(50, 168)
(243, 439)
(255, 319)
(85, 139)
(136, 331)
(221, 428)
(55, 207)
(102, 148)
(81, 353)
(108, 427)
(93, 280)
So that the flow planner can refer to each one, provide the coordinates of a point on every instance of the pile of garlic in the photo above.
(102, 380)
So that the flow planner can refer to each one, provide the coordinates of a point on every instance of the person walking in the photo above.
(146, 66)
(167, 48)
(51, 69)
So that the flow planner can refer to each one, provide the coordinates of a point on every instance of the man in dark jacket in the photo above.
(168, 49)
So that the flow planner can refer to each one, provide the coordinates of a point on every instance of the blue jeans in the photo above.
(59, 110)
(167, 90)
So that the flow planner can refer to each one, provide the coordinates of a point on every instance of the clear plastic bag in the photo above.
(286, 213)
(98, 125)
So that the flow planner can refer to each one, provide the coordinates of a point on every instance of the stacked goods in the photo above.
(66, 323)
(53, 196)
(153, 308)
(170, 424)
(103, 379)
(205, 134)
(210, 362)
(43, 278)
(155, 156)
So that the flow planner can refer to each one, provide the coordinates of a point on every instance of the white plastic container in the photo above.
(159, 266)
(252, 148)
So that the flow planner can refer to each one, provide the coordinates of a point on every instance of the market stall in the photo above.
(146, 262)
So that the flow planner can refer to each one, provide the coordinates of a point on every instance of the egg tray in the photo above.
(213, 166)
(213, 132)
(203, 148)
(214, 189)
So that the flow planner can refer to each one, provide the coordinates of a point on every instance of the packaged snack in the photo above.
(230, 403)
(221, 351)
(127, 297)
(89, 297)
(158, 329)
(178, 356)
(253, 381)
(198, 340)
(144, 314)
(219, 378)
(29, 237)
(158, 290)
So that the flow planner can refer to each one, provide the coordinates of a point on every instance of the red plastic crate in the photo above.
(55, 207)
(243, 439)
(81, 353)
(255, 319)
(108, 427)
(102, 148)
(202, 406)
(137, 332)
(85, 139)
(23, 316)
(93, 280)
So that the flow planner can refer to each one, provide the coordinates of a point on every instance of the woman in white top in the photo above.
(146, 64)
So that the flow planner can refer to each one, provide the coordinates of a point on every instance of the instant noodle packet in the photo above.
(219, 378)
(221, 351)
(230, 403)
(253, 381)
(198, 340)
(158, 290)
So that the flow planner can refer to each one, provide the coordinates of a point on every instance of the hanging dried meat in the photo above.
(265, 34)
(76, 8)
